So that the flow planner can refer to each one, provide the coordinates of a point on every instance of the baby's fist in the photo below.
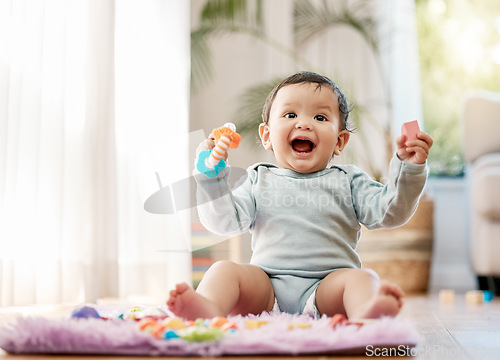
(414, 151)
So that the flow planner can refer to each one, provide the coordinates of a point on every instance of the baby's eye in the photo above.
(291, 115)
(320, 118)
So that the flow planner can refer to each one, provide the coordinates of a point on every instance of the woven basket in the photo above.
(402, 255)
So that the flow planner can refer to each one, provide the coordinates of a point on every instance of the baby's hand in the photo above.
(207, 144)
(414, 151)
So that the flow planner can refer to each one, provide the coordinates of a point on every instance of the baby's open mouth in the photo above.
(302, 145)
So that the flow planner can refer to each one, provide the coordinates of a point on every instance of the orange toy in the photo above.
(225, 137)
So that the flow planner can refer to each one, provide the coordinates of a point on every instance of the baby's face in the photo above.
(304, 127)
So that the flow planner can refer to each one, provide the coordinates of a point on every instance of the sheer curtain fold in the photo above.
(100, 132)
(61, 236)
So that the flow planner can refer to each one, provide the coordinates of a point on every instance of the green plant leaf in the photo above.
(219, 17)
(245, 12)
(310, 20)
(201, 60)
(247, 116)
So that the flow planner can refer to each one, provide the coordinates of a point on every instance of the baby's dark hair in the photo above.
(309, 77)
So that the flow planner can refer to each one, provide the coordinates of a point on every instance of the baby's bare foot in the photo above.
(188, 304)
(387, 301)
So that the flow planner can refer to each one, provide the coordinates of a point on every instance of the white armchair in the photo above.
(481, 147)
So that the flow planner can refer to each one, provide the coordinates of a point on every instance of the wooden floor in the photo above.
(453, 332)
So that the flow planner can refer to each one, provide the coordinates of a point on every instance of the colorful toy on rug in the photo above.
(155, 331)
(211, 162)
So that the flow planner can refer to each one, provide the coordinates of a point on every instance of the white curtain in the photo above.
(76, 107)
(401, 61)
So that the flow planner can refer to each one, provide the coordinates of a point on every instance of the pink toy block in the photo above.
(410, 129)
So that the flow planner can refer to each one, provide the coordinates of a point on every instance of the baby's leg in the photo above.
(358, 294)
(226, 289)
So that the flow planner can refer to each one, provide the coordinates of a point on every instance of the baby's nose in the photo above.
(303, 124)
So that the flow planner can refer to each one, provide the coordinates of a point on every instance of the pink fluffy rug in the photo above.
(281, 334)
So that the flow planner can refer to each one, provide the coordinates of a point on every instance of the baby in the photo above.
(304, 215)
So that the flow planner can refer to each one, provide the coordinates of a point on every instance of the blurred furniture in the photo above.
(402, 255)
(481, 148)
(208, 248)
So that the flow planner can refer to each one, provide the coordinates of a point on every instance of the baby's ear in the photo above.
(264, 136)
(342, 140)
